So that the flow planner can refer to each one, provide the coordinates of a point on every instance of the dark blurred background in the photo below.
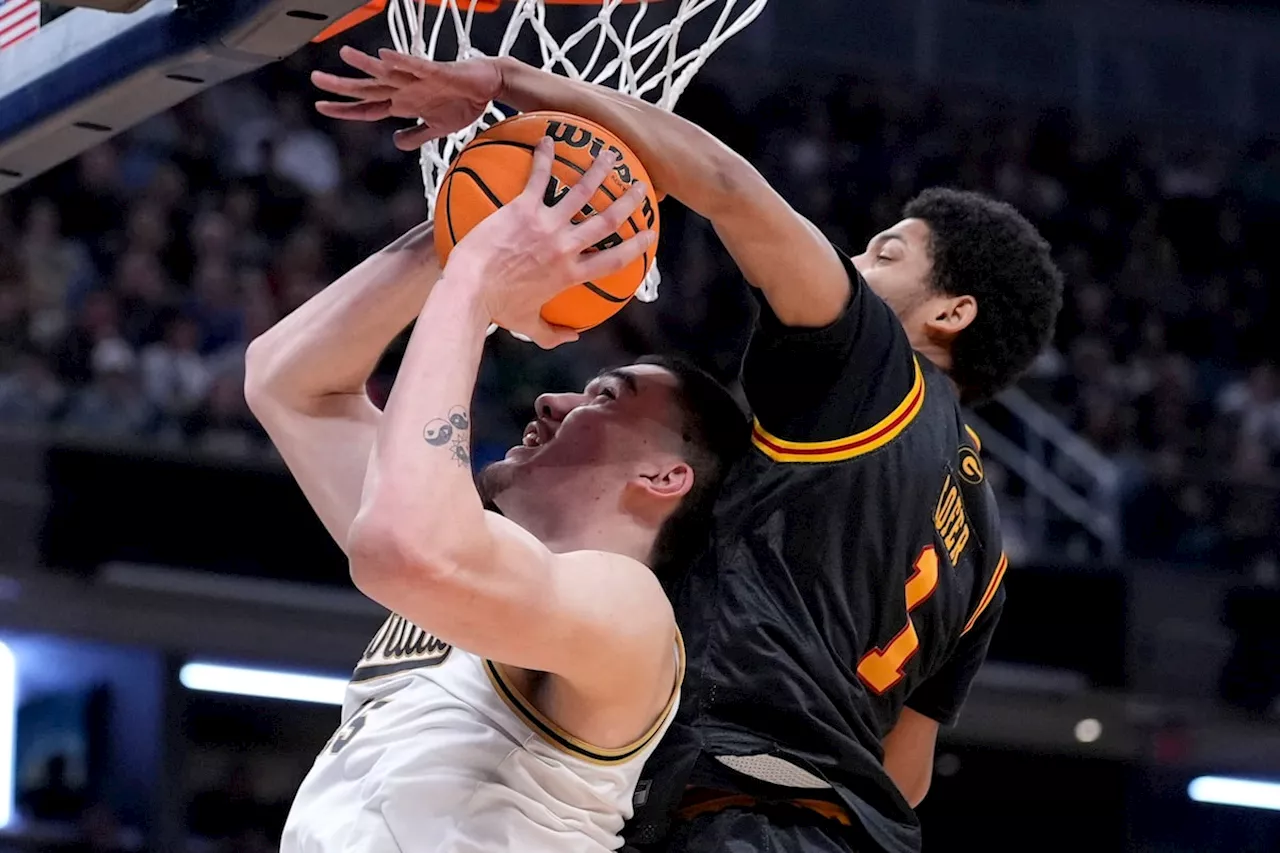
(147, 521)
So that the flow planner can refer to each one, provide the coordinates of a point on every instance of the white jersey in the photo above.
(439, 753)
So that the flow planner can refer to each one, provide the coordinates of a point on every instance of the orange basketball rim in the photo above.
(376, 7)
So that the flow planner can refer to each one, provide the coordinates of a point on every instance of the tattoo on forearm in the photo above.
(452, 432)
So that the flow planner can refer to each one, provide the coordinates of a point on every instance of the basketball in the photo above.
(493, 170)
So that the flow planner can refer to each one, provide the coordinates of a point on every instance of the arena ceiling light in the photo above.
(262, 683)
(1229, 791)
(8, 715)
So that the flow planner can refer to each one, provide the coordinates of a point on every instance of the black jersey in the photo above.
(855, 568)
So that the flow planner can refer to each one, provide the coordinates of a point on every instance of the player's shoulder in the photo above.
(623, 566)
(943, 417)
(875, 409)
(629, 582)
(641, 643)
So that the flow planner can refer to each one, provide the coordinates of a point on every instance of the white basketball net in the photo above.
(631, 47)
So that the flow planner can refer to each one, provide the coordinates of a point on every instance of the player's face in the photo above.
(897, 265)
(622, 421)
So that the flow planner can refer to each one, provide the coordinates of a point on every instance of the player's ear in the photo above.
(951, 315)
(674, 481)
(663, 483)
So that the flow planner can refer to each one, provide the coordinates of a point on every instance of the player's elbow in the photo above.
(383, 560)
(912, 783)
(736, 185)
(388, 553)
(255, 374)
(261, 382)
(915, 792)
(273, 387)
(913, 780)
(908, 754)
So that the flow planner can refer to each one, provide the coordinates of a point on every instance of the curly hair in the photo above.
(985, 249)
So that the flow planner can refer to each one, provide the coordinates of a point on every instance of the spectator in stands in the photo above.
(113, 405)
(215, 305)
(1255, 403)
(174, 376)
(98, 321)
(15, 322)
(143, 296)
(30, 394)
(223, 424)
(302, 154)
(55, 268)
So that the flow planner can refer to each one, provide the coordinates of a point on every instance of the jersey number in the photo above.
(353, 726)
(881, 669)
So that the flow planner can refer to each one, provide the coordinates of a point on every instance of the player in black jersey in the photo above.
(853, 582)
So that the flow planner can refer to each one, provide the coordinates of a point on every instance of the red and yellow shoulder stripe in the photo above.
(990, 593)
(840, 449)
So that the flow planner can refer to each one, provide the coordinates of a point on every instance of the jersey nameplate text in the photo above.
(399, 645)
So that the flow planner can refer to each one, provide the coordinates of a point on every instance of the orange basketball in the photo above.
(493, 170)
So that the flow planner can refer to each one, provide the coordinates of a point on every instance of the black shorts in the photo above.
(758, 830)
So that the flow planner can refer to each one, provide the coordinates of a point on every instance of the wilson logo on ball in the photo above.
(493, 170)
(578, 137)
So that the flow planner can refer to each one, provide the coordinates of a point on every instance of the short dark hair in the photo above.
(716, 432)
(986, 249)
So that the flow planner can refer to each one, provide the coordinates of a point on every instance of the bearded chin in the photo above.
(493, 480)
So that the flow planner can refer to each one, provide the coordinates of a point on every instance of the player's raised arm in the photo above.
(305, 377)
(422, 544)
(778, 250)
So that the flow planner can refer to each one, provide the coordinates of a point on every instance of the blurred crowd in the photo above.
(132, 279)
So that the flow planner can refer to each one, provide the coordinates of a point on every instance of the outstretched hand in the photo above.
(526, 253)
(446, 96)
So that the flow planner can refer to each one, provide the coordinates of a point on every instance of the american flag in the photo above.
(18, 19)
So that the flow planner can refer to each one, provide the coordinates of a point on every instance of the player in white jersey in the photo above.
(532, 661)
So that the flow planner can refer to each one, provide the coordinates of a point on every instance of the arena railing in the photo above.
(1059, 471)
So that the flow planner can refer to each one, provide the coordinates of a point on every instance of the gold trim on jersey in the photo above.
(977, 442)
(553, 734)
(989, 594)
(840, 449)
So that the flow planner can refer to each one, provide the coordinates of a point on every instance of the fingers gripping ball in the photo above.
(494, 169)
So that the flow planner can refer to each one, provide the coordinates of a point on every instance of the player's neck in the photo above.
(940, 357)
(619, 537)
(599, 526)
(938, 353)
